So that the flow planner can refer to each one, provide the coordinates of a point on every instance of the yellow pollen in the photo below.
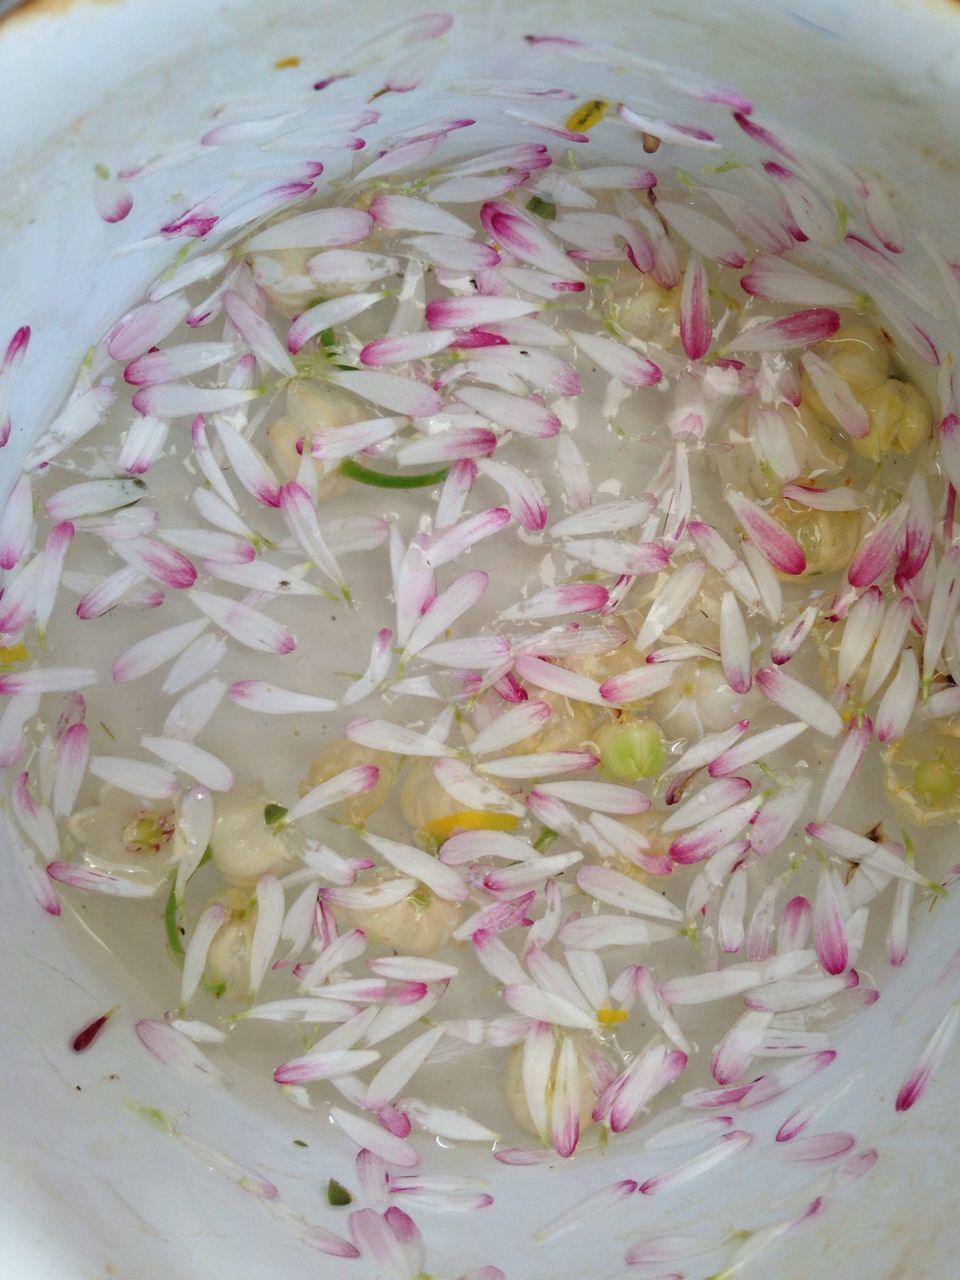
(11, 654)
(611, 1017)
(281, 64)
(469, 820)
(587, 115)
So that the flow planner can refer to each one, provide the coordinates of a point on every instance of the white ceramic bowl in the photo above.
(87, 1188)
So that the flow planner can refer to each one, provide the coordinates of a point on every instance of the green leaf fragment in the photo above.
(337, 1193)
(542, 208)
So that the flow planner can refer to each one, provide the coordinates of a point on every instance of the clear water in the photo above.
(333, 644)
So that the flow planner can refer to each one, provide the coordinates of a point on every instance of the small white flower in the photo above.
(126, 833)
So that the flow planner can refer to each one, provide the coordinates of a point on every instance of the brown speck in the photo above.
(651, 142)
(281, 64)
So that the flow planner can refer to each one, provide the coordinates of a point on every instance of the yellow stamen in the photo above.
(611, 1017)
(282, 63)
(11, 654)
(587, 115)
(469, 820)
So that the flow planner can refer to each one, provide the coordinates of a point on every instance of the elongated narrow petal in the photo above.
(734, 1053)
(543, 1006)
(201, 765)
(696, 330)
(800, 329)
(636, 685)
(844, 766)
(451, 545)
(711, 748)
(557, 679)
(638, 558)
(175, 1050)
(773, 541)
(409, 861)
(321, 228)
(511, 727)
(728, 1146)
(391, 391)
(604, 797)
(16, 523)
(147, 654)
(618, 890)
(183, 400)
(475, 311)
(734, 645)
(448, 606)
(787, 1077)
(757, 747)
(713, 833)
(837, 396)
(48, 680)
(778, 815)
(249, 466)
(252, 629)
(195, 958)
(897, 704)
(517, 413)
(92, 880)
(799, 700)
(830, 912)
(926, 1066)
(372, 1137)
(163, 564)
(775, 279)
(351, 782)
(381, 735)
(145, 327)
(619, 360)
(191, 713)
(859, 632)
(556, 602)
(877, 552)
(525, 239)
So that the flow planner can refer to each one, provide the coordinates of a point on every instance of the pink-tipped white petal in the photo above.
(636, 558)
(511, 727)
(757, 747)
(830, 913)
(342, 786)
(770, 537)
(321, 228)
(734, 645)
(16, 523)
(252, 629)
(774, 279)
(836, 395)
(775, 1083)
(800, 329)
(844, 766)
(730, 1145)
(48, 680)
(175, 1050)
(249, 466)
(898, 703)
(926, 1066)
(696, 330)
(778, 815)
(704, 234)
(799, 700)
(877, 552)
(448, 606)
(619, 360)
(734, 1053)
(381, 735)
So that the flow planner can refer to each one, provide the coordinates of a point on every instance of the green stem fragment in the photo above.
(380, 480)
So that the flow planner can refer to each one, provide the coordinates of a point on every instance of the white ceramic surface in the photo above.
(86, 1188)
